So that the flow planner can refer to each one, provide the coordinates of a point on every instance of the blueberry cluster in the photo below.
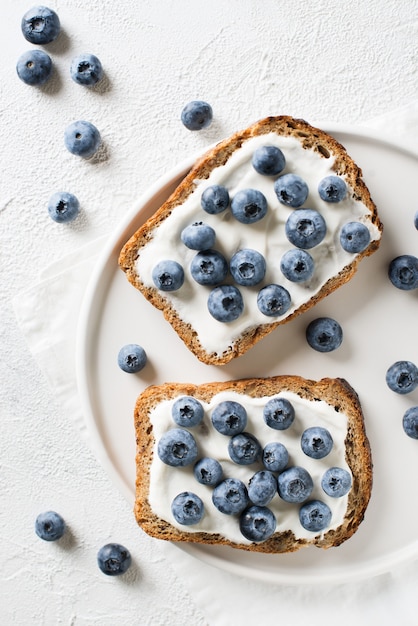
(402, 378)
(305, 228)
(178, 448)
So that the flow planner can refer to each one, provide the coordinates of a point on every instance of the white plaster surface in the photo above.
(324, 60)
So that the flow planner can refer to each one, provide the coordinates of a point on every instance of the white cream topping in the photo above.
(266, 236)
(167, 482)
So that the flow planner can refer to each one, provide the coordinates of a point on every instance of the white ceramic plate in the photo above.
(379, 324)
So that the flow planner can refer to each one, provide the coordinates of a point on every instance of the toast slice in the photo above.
(329, 403)
(309, 153)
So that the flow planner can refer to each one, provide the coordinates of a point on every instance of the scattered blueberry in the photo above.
(187, 411)
(403, 272)
(209, 267)
(49, 526)
(40, 25)
(275, 456)
(132, 358)
(268, 160)
(324, 334)
(305, 228)
(262, 487)
(34, 67)
(315, 516)
(244, 449)
(332, 189)
(416, 220)
(168, 275)
(248, 267)
(63, 207)
(114, 559)
(229, 418)
(316, 442)
(198, 236)
(297, 265)
(278, 413)
(410, 422)
(291, 190)
(82, 139)
(215, 199)
(196, 115)
(225, 303)
(336, 482)
(86, 69)
(187, 508)
(249, 206)
(208, 471)
(273, 300)
(402, 377)
(354, 237)
(230, 496)
(177, 447)
(257, 523)
(295, 484)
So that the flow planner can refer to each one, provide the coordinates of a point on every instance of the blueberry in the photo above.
(49, 526)
(187, 508)
(268, 160)
(132, 358)
(198, 236)
(416, 220)
(403, 272)
(354, 237)
(248, 267)
(114, 559)
(196, 115)
(278, 413)
(225, 303)
(86, 69)
(410, 422)
(215, 199)
(291, 190)
(336, 482)
(295, 484)
(315, 515)
(82, 139)
(244, 449)
(230, 496)
(402, 377)
(63, 207)
(297, 265)
(275, 456)
(229, 418)
(40, 25)
(34, 67)
(316, 442)
(209, 267)
(273, 300)
(208, 471)
(187, 411)
(257, 523)
(249, 206)
(332, 189)
(177, 447)
(324, 334)
(168, 275)
(305, 228)
(262, 487)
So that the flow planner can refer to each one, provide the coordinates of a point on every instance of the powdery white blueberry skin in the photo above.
(209, 267)
(187, 411)
(229, 418)
(279, 413)
(332, 189)
(295, 484)
(168, 275)
(268, 160)
(248, 267)
(215, 199)
(230, 496)
(273, 300)
(305, 228)
(403, 272)
(86, 69)
(40, 25)
(82, 139)
(316, 442)
(177, 447)
(34, 67)
(297, 265)
(291, 190)
(63, 207)
(114, 559)
(315, 515)
(198, 236)
(197, 115)
(244, 449)
(249, 206)
(262, 487)
(257, 523)
(324, 334)
(132, 358)
(225, 303)
(410, 422)
(402, 377)
(208, 471)
(187, 508)
(336, 482)
(275, 456)
(49, 526)
(354, 237)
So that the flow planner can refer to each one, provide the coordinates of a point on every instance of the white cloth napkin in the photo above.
(47, 314)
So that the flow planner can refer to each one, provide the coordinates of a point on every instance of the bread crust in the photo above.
(311, 138)
(336, 392)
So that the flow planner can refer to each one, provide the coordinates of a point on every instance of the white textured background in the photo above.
(324, 60)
